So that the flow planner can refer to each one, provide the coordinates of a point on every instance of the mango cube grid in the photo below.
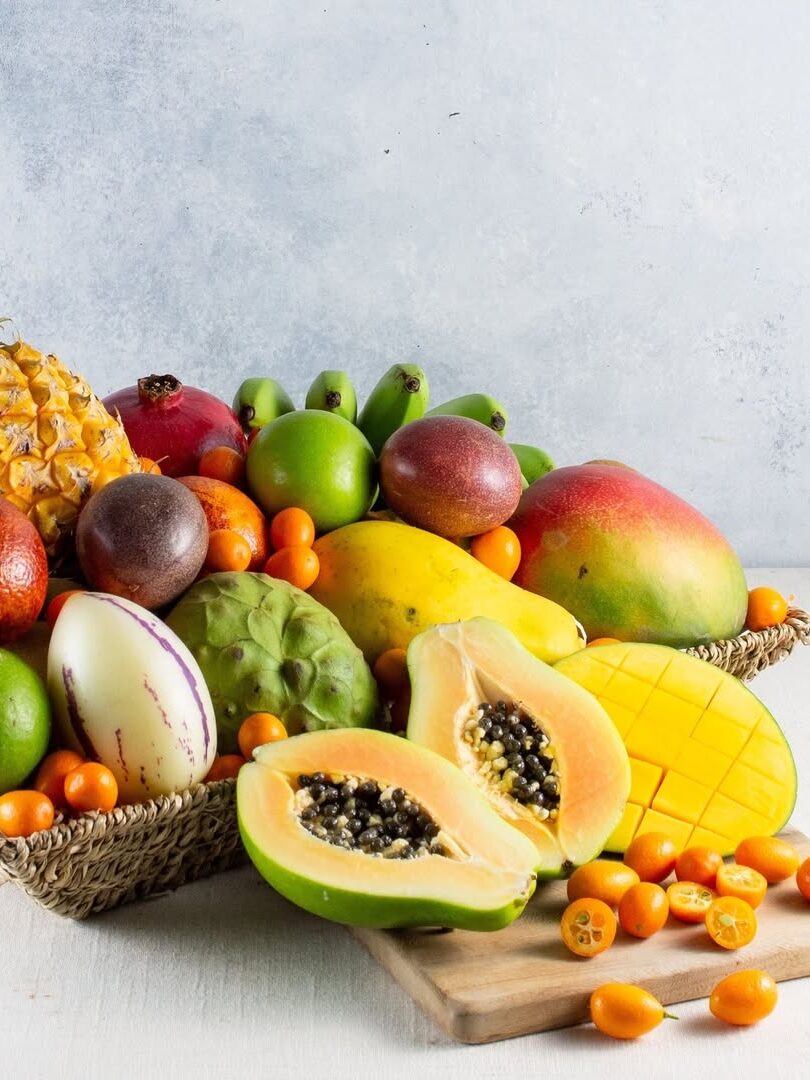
(709, 764)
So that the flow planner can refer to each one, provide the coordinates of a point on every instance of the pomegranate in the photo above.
(173, 424)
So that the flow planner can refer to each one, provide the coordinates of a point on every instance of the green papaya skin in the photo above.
(333, 391)
(375, 912)
(482, 880)
(481, 407)
(400, 396)
(260, 400)
(533, 462)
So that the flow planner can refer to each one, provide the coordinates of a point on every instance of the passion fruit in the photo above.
(142, 537)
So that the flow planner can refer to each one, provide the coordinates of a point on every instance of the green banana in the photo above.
(480, 407)
(258, 401)
(333, 392)
(400, 396)
(533, 462)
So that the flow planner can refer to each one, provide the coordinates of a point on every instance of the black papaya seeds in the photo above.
(359, 815)
(515, 756)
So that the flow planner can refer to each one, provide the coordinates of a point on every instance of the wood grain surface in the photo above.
(484, 987)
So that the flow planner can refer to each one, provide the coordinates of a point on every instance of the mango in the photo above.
(387, 582)
(708, 763)
(628, 558)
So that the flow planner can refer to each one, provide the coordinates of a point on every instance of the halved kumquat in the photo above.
(689, 900)
(588, 927)
(743, 882)
(731, 922)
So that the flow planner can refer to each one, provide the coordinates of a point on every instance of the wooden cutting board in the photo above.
(484, 987)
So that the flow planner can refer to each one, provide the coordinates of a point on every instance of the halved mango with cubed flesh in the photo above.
(540, 748)
(446, 860)
(709, 763)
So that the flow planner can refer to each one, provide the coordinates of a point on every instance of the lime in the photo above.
(25, 720)
(316, 461)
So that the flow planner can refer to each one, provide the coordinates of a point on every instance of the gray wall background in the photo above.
(610, 232)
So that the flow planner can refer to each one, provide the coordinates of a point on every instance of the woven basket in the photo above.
(99, 861)
(754, 650)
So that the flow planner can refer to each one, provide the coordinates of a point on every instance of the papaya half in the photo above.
(364, 828)
(540, 748)
(709, 764)
(387, 582)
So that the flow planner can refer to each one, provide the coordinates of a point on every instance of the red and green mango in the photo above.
(628, 558)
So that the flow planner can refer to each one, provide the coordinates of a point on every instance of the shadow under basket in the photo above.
(100, 860)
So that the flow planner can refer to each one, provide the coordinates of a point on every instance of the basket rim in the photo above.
(72, 829)
(795, 629)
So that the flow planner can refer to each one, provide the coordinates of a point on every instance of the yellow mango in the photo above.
(387, 582)
(708, 762)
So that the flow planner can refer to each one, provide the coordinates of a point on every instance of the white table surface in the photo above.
(225, 979)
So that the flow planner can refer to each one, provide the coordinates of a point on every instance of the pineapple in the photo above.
(57, 441)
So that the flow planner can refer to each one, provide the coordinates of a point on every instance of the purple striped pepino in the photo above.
(127, 692)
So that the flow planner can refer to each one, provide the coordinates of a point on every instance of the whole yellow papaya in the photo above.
(387, 582)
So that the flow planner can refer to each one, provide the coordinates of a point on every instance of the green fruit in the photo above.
(314, 460)
(481, 407)
(25, 720)
(265, 646)
(533, 462)
(400, 396)
(458, 667)
(333, 392)
(476, 875)
(258, 401)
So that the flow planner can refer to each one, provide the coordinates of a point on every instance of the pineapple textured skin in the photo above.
(58, 444)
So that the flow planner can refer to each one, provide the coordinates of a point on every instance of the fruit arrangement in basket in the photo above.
(437, 666)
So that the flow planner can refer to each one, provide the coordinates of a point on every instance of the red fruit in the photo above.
(23, 573)
(627, 558)
(175, 424)
(450, 475)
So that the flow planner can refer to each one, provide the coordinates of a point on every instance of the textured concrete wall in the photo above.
(597, 210)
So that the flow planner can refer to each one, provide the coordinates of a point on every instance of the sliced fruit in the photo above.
(588, 927)
(689, 901)
(710, 764)
(542, 750)
(743, 882)
(307, 809)
(731, 922)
